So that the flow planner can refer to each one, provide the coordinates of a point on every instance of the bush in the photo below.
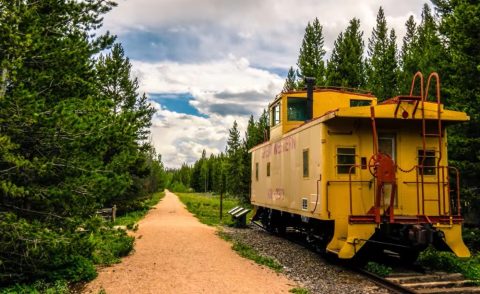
(447, 261)
(110, 245)
(179, 187)
(378, 269)
(64, 250)
(40, 286)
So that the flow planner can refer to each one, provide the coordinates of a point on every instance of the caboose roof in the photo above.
(387, 111)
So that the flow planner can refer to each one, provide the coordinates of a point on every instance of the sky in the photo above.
(205, 64)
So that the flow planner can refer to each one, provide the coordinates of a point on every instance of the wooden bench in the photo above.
(108, 213)
(239, 216)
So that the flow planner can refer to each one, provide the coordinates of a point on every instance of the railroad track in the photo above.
(434, 282)
(413, 279)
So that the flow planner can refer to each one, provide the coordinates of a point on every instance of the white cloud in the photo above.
(220, 90)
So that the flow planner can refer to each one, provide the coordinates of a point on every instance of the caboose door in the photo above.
(387, 145)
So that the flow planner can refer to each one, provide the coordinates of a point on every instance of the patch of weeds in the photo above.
(298, 290)
(378, 269)
(248, 252)
(224, 236)
(110, 245)
(447, 261)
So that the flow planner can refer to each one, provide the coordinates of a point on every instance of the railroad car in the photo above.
(356, 175)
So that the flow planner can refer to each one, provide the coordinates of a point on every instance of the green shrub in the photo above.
(110, 245)
(447, 261)
(40, 286)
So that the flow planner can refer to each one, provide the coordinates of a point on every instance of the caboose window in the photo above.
(268, 169)
(358, 102)
(297, 109)
(275, 115)
(305, 163)
(345, 159)
(429, 163)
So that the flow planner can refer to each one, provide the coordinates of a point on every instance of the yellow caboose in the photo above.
(351, 172)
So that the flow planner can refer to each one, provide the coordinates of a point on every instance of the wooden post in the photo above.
(221, 205)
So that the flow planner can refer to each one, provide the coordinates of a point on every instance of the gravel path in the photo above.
(175, 253)
(308, 268)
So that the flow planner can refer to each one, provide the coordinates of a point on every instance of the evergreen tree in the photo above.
(310, 60)
(422, 51)
(236, 162)
(346, 67)
(461, 85)
(407, 57)
(382, 62)
(290, 81)
(53, 177)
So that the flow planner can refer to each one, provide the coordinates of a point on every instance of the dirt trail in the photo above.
(175, 253)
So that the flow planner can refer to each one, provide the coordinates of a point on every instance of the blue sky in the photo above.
(205, 64)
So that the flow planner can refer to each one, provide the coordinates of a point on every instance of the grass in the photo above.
(131, 218)
(248, 252)
(298, 290)
(206, 207)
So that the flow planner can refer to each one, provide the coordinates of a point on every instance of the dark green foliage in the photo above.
(310, 60)
(461, 90)
(422, 50)
(378, 269)
(290, 81)
(40, 286)
(237, 173)
(72, 140)
(382, 62)
(346, 67)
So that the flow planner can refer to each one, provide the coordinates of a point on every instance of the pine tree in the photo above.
(461, 86)
(290, 81)
(310, 60)
(382, 62)
(407, 57)
(346, 67)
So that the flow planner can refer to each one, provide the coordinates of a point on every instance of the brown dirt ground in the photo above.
(175, 253)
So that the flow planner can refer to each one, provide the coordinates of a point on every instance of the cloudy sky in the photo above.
(207, 63)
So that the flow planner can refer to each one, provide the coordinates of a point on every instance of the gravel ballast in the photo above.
(304, 266)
